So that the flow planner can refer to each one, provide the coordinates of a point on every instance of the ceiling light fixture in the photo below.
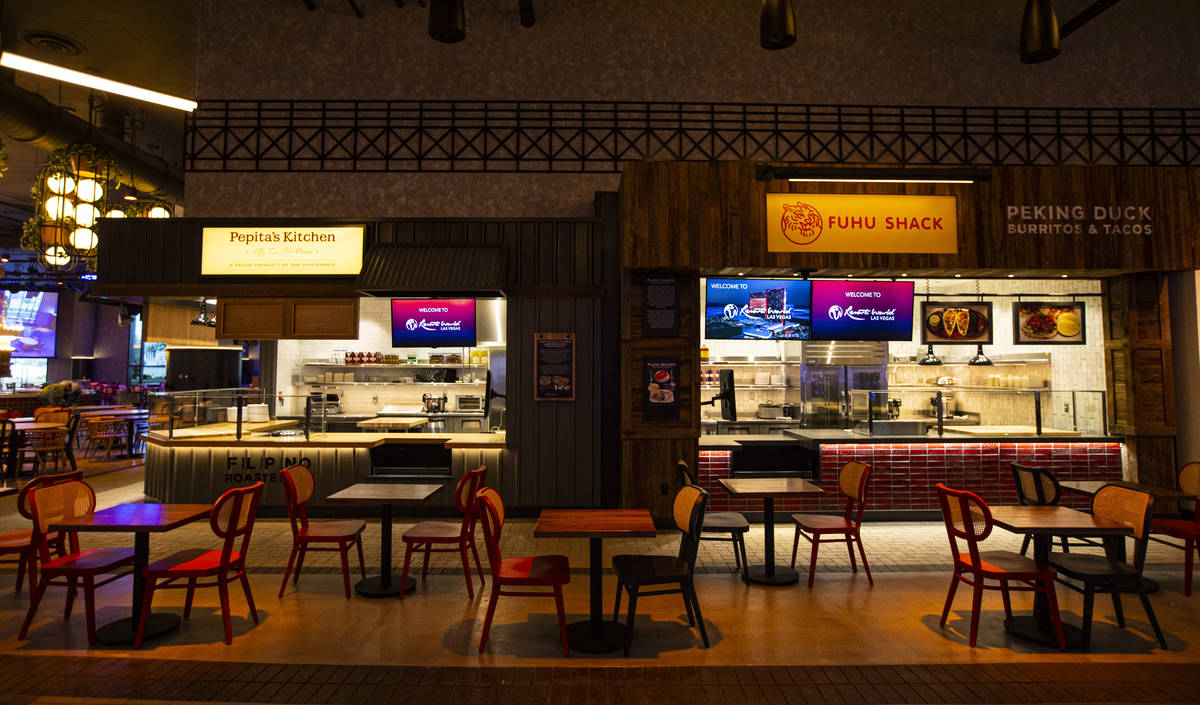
(1040, 33)
(777, 24)
(58, 73)
(447, 21)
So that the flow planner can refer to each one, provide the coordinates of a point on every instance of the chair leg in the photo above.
(742, 548)
(491, 612)
(1089, 597)
(1055, 617)
(1162, 641)
(425, 561)
(812, 562)
(462, 550)
(89, 608)
(633, 595)
(687, 606)
(21, 572)
(1189, 548)
(362, 564)
(1066, 546)
(299, 564)
(70, 599)
(562, 619)
(1025, 544)
(691, 593)
(949, 598)
(34, 600)
(287, 572)
(795, 546)
(976, 608)
(737, 556)
(249, 597)
(223, 590)
(1005, 597)
(861, 552)
(478, 566)
(147, 599)
(617, 601)
(342, 548)
(850, 548)
(187, 603)
(1117, 609)
(408, 550)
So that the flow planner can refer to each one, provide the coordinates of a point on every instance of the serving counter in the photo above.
(198, 464)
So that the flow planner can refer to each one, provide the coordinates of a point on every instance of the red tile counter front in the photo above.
(903, 475)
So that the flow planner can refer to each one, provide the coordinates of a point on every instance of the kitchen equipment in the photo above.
(893, 408)
(762, 378)
(793, 411)
(328, 404)
(468, 402)
(770, 411)
(432, 404)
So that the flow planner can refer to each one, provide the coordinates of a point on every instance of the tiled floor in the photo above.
(843, 641)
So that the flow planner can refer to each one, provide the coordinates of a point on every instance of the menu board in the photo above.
(862, 310)
(951, 322)
(660, 307)
(554, 366)
(1049, 323)
(757, 309)
(660, 385)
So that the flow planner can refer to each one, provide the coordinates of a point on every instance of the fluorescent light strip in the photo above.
(885, 181)
(21, 63)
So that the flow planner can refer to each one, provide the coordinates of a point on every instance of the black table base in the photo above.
(1027, 627)
(124, 631)
(780, 575)
(584, 637)
(377, 587)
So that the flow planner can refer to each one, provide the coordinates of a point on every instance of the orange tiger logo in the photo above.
(801, 223)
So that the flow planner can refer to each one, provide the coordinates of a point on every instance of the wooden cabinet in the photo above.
(275, 319)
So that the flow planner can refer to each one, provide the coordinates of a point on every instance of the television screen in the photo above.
(433, 323)
(29, 319)
(757, 309)
(862, 310)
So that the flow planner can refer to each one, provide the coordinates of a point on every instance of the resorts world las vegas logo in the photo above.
(801, 223)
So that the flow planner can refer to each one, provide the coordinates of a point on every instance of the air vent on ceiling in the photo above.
(52, 42)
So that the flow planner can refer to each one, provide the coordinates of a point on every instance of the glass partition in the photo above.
(987, 411)
(235, 411)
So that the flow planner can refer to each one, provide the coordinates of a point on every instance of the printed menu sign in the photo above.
(554, 366)
(660, 384)
(660, 307)
(291, 251)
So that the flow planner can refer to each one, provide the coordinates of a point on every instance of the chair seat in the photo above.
(635, 569)
(16, 540)
(427, 531)
(1083, 566)
(98, 560)
(534, 570)
(331, 530)
(1179, 528)
(725, 522)
(192, 562)
(823, 523)
(1008, 563)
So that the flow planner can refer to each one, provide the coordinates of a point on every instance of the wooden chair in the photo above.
(107, 432)
(42, 410)
(968, 518)
(1188, 530)
(1102, 574)
(822, 528)
(58, 502)
(44, 445)
(1039, 487)
(636, 571)
(718, 525)
(528, 571)
(232, 518)
(298, 485)
(21, 541)
(425, 535)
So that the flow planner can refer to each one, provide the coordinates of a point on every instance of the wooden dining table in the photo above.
(1045, 522)
(141, 519)
(767, 489)
(595, 635)
(386, 495)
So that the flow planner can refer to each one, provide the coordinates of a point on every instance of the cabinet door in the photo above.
(329, 319)
(252, 319)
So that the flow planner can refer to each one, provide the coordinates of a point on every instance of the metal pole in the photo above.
(1037, 411)
(941, 417)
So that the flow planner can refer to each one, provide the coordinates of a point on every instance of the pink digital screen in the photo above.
(433, 323)
(862, 310)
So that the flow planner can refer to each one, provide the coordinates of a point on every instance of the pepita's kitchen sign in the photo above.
(812, 222)
(290, 251)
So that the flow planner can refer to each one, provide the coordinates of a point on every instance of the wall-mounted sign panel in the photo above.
(290, 251)
(821, 222)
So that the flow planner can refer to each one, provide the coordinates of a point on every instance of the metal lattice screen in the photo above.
(576, 137)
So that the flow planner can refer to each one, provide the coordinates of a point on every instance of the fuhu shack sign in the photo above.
(811, 222)
(286, 251)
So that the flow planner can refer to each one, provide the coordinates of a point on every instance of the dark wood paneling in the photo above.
(252, 319)
(649, 479)
(323, 319)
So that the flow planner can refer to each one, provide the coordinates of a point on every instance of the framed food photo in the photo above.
(1049, 323)
(945, 322)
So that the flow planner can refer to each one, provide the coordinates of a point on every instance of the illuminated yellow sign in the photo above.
(812, 222)
(291, 251)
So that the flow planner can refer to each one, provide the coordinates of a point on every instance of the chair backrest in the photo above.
(468, 485)
(688, 512)
(852, 483)
(298, 485)
(232, 516)
(1035, 486)
(685, 473)
(1129, 508)
(967, 517)
(57, 502)
(26, 492)
(38, 412)
(490, 509)
(72, 428)
(1189, 481)
(7, 429)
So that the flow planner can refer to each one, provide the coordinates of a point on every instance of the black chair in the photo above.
(8, 446)
(635, 572)
(719, 525)
(1103, 574)
(1039, 487)
(69, 449)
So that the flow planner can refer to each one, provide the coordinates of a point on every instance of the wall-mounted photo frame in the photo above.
(1049, 323)
(956, 323)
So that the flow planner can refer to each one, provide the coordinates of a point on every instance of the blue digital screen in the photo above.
(757, 309)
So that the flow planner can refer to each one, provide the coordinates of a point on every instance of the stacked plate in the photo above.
(251, 413)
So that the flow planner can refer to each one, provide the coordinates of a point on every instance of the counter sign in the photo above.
(818, 222)
(292, 251)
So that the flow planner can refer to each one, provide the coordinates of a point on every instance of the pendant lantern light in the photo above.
(1039, 32)
(777, 24)
(71, 194)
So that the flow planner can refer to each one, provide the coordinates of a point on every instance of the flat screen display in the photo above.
(30, 319)
(433, 323)
(862, 310)
(757, 309)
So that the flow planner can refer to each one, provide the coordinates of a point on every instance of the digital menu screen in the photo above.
(757, 309)
(862, 310)
(29, 322)
(433, 323)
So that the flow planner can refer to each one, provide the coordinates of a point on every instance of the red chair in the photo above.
(308, 536)
(822, 528)
(232, 517)
(21, 542)
(1187, 530)
(968, 518)
(53, 503)
(530, 571)
(423, 536)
